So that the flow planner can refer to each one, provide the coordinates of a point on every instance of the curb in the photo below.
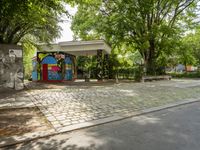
(37, 135)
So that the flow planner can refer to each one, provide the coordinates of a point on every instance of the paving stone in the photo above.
(51, 119)
(81, 121)
(82, 104)
(57, 125)
(67, 123)
(74, 122)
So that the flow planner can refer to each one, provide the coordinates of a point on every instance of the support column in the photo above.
(106, 66)
(74, 68)
(99, 67)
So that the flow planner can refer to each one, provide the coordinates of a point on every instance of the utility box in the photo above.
(11, 66)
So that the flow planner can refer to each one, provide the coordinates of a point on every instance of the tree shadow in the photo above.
(7, 92)
(60, 85)
(170, 129)
(20, 121)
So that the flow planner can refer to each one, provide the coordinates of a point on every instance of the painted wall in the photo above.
(11, 66)
(53, 66)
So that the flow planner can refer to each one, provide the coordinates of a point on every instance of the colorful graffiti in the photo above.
(34, 72)
(53, 67)
(68, 66)
(48, 64)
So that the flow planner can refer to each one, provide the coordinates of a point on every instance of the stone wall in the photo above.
(11, 66)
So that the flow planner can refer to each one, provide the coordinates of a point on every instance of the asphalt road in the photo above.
(172, 129)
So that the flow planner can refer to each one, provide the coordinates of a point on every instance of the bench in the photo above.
(150, 78)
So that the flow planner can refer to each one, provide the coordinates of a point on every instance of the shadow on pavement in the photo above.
(19, 121)
(172, 129)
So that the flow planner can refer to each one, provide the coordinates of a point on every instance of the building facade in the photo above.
(57, 62)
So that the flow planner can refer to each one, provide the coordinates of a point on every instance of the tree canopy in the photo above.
(38, 18)
(152, 27)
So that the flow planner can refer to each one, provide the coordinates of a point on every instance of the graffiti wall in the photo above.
(11, 66)
(53, 66)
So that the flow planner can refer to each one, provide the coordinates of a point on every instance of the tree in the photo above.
(38, 18)
(151, 26)
(87, 64)
(29, 51)
(189, 49)
(186, 55)
(193, 41)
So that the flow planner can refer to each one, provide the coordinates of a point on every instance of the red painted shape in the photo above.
(55, 68)
(45, 72)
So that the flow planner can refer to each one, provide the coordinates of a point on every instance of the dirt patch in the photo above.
(22, 120)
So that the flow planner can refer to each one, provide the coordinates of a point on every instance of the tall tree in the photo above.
(189, 49)
(38, 18)
(151, 26)
(192, 40)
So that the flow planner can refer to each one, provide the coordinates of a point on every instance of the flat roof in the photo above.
(78, 48)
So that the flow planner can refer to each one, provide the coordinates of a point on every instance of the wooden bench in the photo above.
(150, 78)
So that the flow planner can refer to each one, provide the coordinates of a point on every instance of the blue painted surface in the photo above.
(34, 72)
(34, 76)
(68, 60)
(54, 75)
(34, 64)
(68, 74)
(49, 60)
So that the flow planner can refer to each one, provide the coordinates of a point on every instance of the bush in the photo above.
(138, 73)
(185, 75)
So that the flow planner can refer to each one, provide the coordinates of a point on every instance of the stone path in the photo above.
(67, 108)
(71, 105)
(67, 105)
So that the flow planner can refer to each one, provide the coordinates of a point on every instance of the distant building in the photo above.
(180, 68)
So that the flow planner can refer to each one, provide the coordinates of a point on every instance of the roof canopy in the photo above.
(79, 48)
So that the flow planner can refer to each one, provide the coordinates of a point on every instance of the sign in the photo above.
(15, 53)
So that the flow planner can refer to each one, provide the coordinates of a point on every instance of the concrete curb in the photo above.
(13, 140)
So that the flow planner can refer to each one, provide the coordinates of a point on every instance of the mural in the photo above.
(50, 69)
(34, 72)
(68, 67)
(52, 66)
(11, 66)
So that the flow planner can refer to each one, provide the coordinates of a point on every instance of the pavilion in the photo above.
(57, 62)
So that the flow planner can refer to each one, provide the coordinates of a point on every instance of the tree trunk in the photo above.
(117, 76)
(185, 64)
(150, 59)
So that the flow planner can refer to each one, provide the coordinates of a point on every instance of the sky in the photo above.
(66, 33)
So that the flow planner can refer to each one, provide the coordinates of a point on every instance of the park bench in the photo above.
(151, 78)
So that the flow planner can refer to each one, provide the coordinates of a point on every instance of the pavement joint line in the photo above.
(33, 99)
(94, 123)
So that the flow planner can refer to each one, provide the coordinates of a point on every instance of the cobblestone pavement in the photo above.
(70, 105)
